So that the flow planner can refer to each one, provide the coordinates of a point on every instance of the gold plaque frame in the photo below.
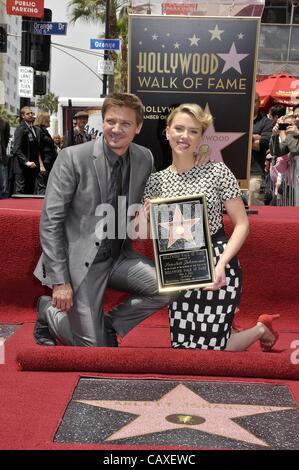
(182, 243)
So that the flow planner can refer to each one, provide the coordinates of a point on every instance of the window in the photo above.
(294, 47)
(277, 11)
(274, 42)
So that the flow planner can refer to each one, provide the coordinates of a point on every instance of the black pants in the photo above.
(25, 182)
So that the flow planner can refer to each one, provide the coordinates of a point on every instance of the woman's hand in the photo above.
(146, 208)
(220, 277)
(42, 170)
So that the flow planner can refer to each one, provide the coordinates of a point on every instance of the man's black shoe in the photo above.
(111, 333)
(41, 331)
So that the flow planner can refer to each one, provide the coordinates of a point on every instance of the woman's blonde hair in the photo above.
(42, 119)
(204, 119)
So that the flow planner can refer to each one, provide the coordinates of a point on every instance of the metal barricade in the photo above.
(288, 191)
(283, 189)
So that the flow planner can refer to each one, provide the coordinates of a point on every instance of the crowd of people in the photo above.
(82, 257)
(275, 145)
(26, 169)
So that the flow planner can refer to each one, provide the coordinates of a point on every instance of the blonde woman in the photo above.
(48, 151)
(202, 318)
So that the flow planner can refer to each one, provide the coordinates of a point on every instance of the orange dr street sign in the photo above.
(33, 8)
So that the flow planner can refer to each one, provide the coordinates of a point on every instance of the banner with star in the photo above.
(207, 60)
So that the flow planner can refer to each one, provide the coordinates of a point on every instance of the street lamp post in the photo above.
(107, 34)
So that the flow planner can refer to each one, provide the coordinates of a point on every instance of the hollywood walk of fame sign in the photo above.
(182, 243)
(207, 60)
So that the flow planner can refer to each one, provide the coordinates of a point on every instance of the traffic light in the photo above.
(3, 38)
(40, 85)
(41, 47)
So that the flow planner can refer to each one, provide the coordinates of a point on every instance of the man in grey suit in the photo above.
(79, 260)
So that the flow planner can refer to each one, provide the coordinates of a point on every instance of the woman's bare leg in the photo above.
(241, 340)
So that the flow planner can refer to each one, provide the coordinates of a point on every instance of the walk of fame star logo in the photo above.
(213, 142)
(179, 228)
(171, 412)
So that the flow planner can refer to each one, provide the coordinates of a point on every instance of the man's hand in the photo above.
(31, 164)
(292, 130)
(202, 155)
(62, 296)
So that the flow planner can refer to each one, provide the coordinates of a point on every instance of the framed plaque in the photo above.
(182, 242)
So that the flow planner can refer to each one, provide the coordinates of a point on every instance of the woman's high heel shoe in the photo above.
(267, 320)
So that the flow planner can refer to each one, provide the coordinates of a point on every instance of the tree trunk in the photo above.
(124, 65)
(113, 34)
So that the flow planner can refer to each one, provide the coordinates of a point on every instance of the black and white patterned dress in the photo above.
(198, 318)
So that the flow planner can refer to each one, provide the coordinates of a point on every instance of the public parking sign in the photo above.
(48, 28)
(105, 44)
(29, 8)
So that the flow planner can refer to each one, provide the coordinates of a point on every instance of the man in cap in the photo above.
(80, 136)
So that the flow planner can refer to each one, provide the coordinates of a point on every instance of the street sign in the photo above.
(105, 67)
(25, 87)
(48, 28)
(105, 44)
(29, 8)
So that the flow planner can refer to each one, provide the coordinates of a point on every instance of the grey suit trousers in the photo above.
(83, 325)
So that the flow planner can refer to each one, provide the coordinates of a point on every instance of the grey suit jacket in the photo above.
(75, 189)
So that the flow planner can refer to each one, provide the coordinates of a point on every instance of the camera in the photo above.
(283, 126)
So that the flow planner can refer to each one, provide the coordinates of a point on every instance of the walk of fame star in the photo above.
(170, 412)
(217, 141)
(179, 228)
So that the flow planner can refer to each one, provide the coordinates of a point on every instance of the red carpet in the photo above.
(148, 361)
(33, 399)
(270, 260)
(33, 403)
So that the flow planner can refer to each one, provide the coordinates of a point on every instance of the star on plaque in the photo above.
(155, 37)
(216, 33)
(232, 59)
(179, 228)
(171, 412)
(176, 45)
(194, 40)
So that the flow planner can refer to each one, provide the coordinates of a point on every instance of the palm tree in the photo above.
(13, 120)
(95, 11)
(48, 103)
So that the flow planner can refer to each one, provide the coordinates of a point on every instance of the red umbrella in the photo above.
(281, 88)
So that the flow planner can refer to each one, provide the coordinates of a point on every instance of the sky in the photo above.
(69, 78)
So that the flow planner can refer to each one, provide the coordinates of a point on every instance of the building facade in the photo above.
(9, 62)
(279, 38)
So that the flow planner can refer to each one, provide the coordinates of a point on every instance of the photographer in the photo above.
(288, 141)
(282, 164)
